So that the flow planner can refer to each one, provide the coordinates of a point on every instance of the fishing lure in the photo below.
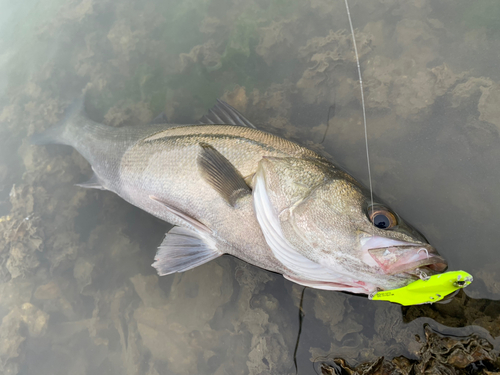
(427, 289)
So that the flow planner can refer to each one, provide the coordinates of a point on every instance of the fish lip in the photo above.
(395, 257)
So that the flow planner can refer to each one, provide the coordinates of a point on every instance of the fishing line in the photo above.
(362, 101)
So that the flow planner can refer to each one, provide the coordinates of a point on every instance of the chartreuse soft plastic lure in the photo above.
(426, 290)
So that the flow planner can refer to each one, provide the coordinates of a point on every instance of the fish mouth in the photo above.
(399, 257)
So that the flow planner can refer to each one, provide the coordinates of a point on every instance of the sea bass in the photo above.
(229, 188)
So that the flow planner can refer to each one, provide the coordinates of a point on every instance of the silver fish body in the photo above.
(231, 189)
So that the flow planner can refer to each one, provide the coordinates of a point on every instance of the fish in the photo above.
(230, 188)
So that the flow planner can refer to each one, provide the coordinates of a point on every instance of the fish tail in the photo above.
(51, 136)
(63, 132)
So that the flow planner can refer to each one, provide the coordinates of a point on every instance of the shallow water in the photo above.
(77, 293)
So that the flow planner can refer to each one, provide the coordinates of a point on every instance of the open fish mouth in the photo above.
(399, 257)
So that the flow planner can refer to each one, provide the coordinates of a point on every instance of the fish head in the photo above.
(324, 215)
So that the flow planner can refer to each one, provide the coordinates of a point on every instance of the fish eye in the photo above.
(382, 218)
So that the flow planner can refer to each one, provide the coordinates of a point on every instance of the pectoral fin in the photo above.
(183, 249)
(221, 174)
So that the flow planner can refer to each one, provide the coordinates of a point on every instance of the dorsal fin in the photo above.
(160, 119)
(223, 113)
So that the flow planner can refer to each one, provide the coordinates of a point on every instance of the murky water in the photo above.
(77, 293)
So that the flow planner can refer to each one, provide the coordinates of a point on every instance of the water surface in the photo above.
(77, 292)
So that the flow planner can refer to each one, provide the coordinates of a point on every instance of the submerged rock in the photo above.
(276, 40)
(21, 240)
(488, 104)
(440, 355)
(177, 330)
(26, 321)
(329, 58)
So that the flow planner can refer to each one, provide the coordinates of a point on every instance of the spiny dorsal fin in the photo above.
(221, 174)
(223, 113)
(160, 119)
(183, 249)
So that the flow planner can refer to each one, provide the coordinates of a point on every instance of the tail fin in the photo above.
(50, 136)
(60, 134)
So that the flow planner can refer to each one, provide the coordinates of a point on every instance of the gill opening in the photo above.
(363, 107)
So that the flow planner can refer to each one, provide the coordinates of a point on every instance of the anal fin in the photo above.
(93, 183)
(183, 249)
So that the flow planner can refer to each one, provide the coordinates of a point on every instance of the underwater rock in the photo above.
(276, 39)
(336, 46)
(82, 272)
(398, 366)
(76, 13)
(452, 352)
(237, 98)
(329, 307)
(410, 96)
(327, 58)
(35, 319)
(491, 278)
(45, 107)
(124, 40)
(419, 41)
(394, 336)
(209, 25)
(177, 329)
(148, 290)
(128, 114)
(440, 355)
(461, 311)
(22, 238)
(47, 291)
(481, 137)
(275, 102)
(355, 349)
(257, 319)
(462, 92)
(251, 278)
(324, 7)
(15, 292)
(334, 310)
(205, 54)
(21, 323)
(11, 340)
(379, 74)
(269, 110)
(488, 104)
